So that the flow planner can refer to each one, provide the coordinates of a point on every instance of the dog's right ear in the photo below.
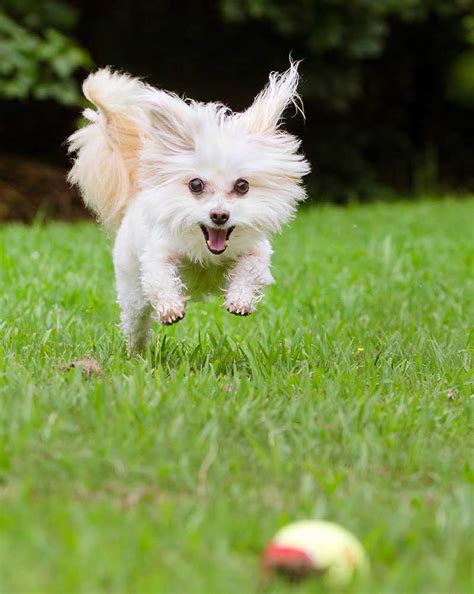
(172, 124)
(112, 92)
(134, 121)
(106, 162)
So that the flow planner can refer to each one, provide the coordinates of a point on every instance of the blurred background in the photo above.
(388, 85)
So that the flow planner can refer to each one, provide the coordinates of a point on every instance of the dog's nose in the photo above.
(219, 217)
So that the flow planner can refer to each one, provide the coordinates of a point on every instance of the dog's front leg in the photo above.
(247, 278)
(162, 285)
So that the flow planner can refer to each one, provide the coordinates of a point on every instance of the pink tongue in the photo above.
(217, 238)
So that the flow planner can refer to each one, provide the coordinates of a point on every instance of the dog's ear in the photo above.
(131, 118)
(172, 124)
(117, 96)
(266, 112)
(106, 161)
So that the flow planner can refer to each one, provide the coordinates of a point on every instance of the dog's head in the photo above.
(208, 172)
(198, 170)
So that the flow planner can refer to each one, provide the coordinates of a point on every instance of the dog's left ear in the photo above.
(266, 112)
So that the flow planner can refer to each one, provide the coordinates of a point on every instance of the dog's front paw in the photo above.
(169, 314)
(240, 309)
(171, 317)
(241, 303)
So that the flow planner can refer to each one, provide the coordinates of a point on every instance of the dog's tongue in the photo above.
(217, 239)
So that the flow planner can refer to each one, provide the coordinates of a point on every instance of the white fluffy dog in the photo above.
(193, 190)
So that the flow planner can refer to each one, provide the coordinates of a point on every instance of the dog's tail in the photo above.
(106, 150)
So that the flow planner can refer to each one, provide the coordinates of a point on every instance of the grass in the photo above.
(346, 397)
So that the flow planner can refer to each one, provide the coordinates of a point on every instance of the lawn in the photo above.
(346, 396)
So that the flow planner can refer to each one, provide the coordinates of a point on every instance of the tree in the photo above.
(38, 56)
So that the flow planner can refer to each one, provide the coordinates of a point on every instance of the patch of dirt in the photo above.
(28, 186)
(88, 366)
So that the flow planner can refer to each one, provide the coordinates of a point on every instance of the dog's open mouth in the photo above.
(216, 239)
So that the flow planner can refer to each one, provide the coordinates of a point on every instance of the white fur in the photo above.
(133, 163)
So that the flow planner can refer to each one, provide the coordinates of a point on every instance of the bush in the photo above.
(39, 58)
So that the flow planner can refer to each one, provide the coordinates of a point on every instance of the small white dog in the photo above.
(194, 191)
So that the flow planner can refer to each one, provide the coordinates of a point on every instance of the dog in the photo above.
(193, 191)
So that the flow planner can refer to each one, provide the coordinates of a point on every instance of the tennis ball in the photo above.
(313, 547)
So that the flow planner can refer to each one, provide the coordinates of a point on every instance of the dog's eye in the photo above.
(241, 186)
(196, 185)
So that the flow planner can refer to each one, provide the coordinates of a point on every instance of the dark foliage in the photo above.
(387, 86)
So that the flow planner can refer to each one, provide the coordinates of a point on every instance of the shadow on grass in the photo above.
(220, 354)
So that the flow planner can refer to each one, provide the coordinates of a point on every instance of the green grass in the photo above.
(346, 396)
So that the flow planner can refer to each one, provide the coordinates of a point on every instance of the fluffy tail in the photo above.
(106, 150)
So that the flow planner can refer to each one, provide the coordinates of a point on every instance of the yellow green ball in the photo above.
(315, 547)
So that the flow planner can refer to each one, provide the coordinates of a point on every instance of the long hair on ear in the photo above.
(266, 112)
(106, 150)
